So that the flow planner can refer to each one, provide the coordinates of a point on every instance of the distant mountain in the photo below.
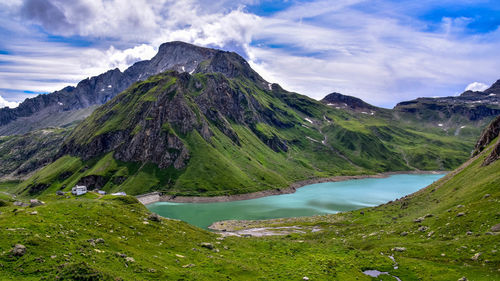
(339, 101)
(219, 128)
(472, 110)
(75, 103)
(20, 155)
(462, 116)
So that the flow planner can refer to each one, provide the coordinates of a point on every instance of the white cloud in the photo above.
(6, 103)
(312, 48)
(123, 34)
(476, 86)
(124, 58)
(375, 58)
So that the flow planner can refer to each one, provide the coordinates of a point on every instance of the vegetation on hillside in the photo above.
(21, 155)
(229, 136)
(443, 232)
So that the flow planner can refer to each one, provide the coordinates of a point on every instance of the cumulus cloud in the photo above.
(47, 14)
(121, 32)
(6, 103)
(143, 20)
(476, 86)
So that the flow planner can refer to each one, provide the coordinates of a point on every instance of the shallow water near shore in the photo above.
(314, 199)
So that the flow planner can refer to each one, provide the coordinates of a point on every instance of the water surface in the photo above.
(314, 199)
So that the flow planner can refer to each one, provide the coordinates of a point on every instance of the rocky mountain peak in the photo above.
(177, 56)
(492, 93)
(345, 101)
(494, 89)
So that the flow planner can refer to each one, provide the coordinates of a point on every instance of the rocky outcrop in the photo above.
(494, 155)
(488, 135)
(491, 133)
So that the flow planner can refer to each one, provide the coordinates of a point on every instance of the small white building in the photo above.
(79, 190)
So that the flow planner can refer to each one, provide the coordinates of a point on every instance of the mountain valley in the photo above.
(200, 122)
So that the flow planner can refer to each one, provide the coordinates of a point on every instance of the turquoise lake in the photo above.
(314, 199)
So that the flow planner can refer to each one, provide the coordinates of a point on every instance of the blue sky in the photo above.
(382, 51)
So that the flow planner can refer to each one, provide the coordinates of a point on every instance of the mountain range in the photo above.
(200, 121)
(61, 108)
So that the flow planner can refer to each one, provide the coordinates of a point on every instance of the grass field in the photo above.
(61, 239)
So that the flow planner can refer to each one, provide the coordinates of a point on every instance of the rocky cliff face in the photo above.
(178, 56)
(146, 123)
(487, 137)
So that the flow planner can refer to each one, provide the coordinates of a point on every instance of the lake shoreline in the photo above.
(156, 197)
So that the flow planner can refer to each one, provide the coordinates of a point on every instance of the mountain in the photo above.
(222, 129)
(446, 231)
(339, 101)
(75, 103)
(472, 110)
(21, 155)
(463, 116)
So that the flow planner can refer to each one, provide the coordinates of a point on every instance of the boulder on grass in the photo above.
(18, 250)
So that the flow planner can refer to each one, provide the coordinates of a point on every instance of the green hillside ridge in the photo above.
(443, 232)
(21, 155)
(207, 134)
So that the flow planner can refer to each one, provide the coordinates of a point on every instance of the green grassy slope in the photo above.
(442, 246)
(23, 154)
(446, 229)
(244, 150)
